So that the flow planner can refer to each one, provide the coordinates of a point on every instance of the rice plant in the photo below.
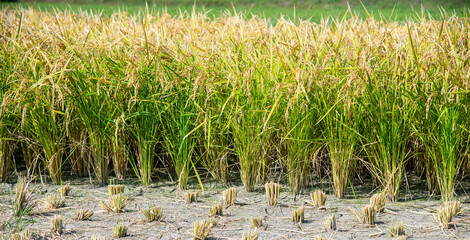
(330, 223)
(120, 230)
(367, 216)
(388, 120)
(190, 197)
(115, 189)
(318, 199)
(23, 199)
(250, 235)
(258, 97)
(252, 134)
(177, 121)
(145, 108)
(216, 209)
(119, 150)
(319, 237)
(215, 141)
(54, 201)
(83, 214)
(377, 201)
(154, 214)
(45, 125)
(300, 117)
(23, 235)
(341, 130)
(64, 190)
(5, 154)
(57, 225)
(297, 215)
(115, 203)
(448, 135)
(256, 222)
(455, 206)
(444, 216)
(397, 229)
(272, 193)
(95, 110)
(229, 196)
(201, 229)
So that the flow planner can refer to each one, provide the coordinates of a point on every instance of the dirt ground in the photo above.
(417, 214)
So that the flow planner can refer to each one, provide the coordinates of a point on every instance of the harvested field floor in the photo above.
(417, 215)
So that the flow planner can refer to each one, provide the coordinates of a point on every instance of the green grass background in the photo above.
(313, 10)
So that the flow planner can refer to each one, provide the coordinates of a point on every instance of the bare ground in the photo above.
(417, 215)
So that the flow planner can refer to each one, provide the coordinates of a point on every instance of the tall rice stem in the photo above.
(340, 123)
(387, 131)
(145, 123)
(91, 99)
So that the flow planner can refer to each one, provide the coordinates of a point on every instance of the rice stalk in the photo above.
(54, 201)
(64, 190)
(229, 196)
(23, 200)
(367, 216)
(120, 230)
(297, 215)
(250, 235)
(397, 229)
(330, 223)
(216, 209)
(154, 214)
(256, 222)
(201, 229)
(190, 197)
(318, 199)
(83, 214)
(115, 203)
(272, 193)
(377, 201)
(57, 225)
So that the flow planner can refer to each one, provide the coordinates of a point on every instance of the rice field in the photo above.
(191, 100)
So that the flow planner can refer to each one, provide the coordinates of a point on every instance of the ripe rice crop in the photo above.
(191, 91)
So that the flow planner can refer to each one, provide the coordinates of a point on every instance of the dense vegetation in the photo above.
(84, 92)
(313, 10)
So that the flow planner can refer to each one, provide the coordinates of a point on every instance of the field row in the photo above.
(81, 93)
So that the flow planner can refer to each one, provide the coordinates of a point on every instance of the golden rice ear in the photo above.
(272, 193)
